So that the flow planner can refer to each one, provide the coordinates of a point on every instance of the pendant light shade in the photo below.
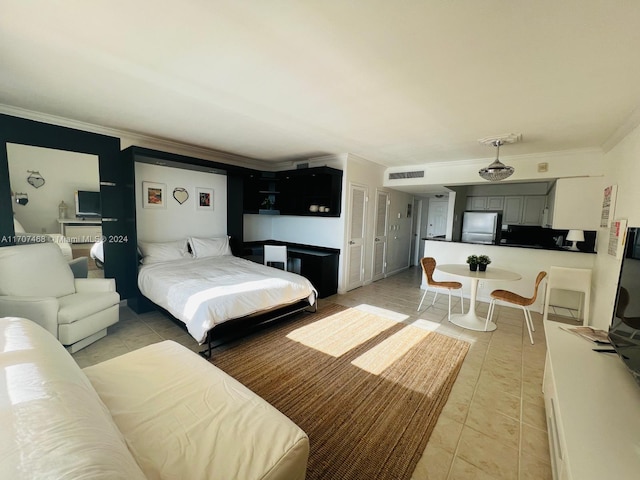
(497, 170)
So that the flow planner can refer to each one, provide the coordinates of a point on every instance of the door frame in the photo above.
(386, 234)
(352, 186)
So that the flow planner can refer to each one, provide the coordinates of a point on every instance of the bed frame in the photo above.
(236, 327)
(239, 327)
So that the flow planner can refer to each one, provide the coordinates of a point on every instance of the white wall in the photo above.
(623, 170)
(560, 164)
(178, 221)
(64, 173)
(362, 172)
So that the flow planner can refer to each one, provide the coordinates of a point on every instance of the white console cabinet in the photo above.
(77, 230)
(592, 407)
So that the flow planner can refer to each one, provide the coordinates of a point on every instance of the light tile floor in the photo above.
(493, 425)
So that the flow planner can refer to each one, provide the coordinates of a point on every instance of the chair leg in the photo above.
(489, 313)
(449, 317)
(435, 295)
(527, 320)
(461, 302)
(422, 300)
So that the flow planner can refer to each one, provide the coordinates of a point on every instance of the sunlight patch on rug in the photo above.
(336, 334)
(386, 353)
(382, 312)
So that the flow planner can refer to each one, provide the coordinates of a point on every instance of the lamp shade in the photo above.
(575, 236)
(497, 170)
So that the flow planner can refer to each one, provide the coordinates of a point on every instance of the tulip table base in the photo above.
(471, 320)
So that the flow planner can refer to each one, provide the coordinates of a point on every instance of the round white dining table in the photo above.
(470, 319)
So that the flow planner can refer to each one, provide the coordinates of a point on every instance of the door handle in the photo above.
(351, 242)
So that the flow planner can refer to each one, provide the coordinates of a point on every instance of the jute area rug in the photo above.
(367, 390)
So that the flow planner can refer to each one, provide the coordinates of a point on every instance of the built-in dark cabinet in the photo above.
(309, 191)
(318, 264)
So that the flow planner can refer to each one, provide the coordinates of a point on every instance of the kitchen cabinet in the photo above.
(516, 209)
(577, 203)
(494, 203)
(533, 209)
(523, 209)
(512, 213)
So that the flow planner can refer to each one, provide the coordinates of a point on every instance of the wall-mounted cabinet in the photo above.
(577, 203)
(485, 203)
(516, 209)
(310, 191)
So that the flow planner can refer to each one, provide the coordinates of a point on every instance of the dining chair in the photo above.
(275, 255)
(516, 299)
(428, 266)
(574, 280)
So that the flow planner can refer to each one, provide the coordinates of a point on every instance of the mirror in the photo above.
(36, 201)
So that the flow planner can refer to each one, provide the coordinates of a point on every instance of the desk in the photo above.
(78, 230)
(470, 320)
(319, 265)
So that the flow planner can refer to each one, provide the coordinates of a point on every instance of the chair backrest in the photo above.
(575, 279)
(35, 270)
(428, 266)
(275, 254)
(539, 279)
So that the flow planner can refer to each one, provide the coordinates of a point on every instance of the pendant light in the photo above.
(497, 170)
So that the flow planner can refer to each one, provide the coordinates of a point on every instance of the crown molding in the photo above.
(632, 122)
(145, 140)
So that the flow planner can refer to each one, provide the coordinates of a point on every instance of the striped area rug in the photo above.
(367, 390)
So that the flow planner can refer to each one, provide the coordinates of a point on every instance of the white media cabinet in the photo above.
(592, 407)
(77, 230)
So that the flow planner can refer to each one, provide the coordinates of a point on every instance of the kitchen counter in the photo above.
(541, 247)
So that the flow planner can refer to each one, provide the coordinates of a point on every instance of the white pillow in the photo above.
(210, 247)
(155, 252)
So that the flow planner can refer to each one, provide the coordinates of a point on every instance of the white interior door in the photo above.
(355, 248)
(380, 238)
(437, 218)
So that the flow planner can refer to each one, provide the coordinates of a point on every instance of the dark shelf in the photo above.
(296, 191)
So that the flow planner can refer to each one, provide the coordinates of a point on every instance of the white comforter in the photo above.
(204, 292)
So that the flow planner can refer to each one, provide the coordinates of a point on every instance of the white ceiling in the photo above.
(398, 83)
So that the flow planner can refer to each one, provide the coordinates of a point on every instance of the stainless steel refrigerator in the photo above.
(481, 227)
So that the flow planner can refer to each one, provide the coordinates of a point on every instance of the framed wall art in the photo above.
(204, 198)
(154, 195)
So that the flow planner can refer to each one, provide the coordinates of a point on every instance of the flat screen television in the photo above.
(624, 331)
(88, 204)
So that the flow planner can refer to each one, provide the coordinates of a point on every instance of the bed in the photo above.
(200, 283)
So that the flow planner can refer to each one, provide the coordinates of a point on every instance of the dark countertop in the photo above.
(517, 245)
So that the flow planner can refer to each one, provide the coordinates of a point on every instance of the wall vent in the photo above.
(398, 175)
(302, 165)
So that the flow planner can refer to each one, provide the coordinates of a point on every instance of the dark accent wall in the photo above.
(115, 180)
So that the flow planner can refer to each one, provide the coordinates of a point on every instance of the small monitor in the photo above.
(88, 204)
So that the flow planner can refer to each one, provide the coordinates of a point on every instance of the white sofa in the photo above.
(160, 412)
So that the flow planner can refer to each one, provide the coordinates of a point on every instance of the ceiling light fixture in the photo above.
(497, 170)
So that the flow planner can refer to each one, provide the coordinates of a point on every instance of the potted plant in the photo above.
(472, 260)
(483, 261)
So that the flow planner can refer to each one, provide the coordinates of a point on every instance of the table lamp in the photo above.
(575, 236)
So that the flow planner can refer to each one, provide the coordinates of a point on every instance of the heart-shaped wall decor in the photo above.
(180, 194)
(35, 180)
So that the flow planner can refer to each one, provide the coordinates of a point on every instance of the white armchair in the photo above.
(37, 283)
